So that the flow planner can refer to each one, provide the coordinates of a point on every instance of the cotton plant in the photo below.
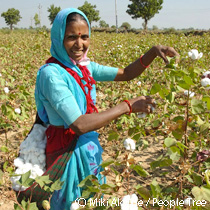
(129, 202)
(194, 54)
(188, 201)
(191, 94)
(18, 110)
(31, 156)
(6, 90)
(205, 81)
(74, 206)
(129, 144)
(139, 83)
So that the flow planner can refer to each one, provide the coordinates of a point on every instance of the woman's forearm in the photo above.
(94, 121)
(137, 67)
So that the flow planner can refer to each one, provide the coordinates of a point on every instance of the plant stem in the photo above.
(185, 126)
(6, 137)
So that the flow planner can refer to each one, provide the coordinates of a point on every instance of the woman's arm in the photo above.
(94, 121)
(136, 68)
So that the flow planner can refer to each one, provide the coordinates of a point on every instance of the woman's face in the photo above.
(76, 40)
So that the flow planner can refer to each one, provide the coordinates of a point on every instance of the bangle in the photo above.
(126, 101)
(142, 63)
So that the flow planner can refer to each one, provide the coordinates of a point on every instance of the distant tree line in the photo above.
(145, 9)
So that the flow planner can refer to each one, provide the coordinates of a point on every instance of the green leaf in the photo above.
(156, 123)
(107, 162)
(139, 170)
(178, 133)
(207, 100)
(155, 188)
(170, 97)
(42, 180)
(197, 179)
(4, 149)
(188, 80)
(93, 189)
(181, 146)
(113, 135)
(16, 207)
(189, 178)
(1, 174)
(202, 193)
(161, 163)
(175, 156)
(155, 88)
(136, 137)
(131, 131)
(87, 181)
(25, 180)
(197, 106)
(24, 204)
(33, 206)
(184, 85)
(204, 127)
(57, 185)
(143, 192)
(170, 142)
(86, 194)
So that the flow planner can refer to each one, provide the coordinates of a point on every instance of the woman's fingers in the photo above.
(164, 51)
(143, 104)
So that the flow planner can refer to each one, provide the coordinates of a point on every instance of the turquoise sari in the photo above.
(87, 155)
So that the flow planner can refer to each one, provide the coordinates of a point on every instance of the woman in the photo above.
(65, 99)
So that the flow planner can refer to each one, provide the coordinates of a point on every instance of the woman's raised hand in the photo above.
(163, 51)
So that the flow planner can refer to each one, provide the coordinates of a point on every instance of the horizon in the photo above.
(179, 14)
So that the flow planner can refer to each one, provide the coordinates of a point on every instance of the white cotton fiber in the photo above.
(18, 162)
(32, 156)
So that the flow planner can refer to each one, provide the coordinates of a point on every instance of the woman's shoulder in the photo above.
(50, 69)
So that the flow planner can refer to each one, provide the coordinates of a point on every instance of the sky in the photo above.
(178, 14)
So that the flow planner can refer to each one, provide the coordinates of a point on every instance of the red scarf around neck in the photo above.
(86, 77)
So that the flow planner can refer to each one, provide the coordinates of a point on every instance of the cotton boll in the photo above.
(152, 108)
(14, 179)
(188, 201)
(205, 82)
(42, 145)
(191, 94)
(39, 172)
(74, 206)
(32, 145)
(27, 167)
(24, 144)
(129, 202)
(35, 161)
(129, 144)
(23, 188)
(40, 131)
(16, 187)
(125, 203)
(141, 115)
(194, 55)
(33, 174)
(36, 151)
(45, 140)
(41, 158)
(19, 170)
(18, 162)
(42, 151)
(133, 199)
(205, 74)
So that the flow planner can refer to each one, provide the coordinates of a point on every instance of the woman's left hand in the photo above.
(163, 51)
